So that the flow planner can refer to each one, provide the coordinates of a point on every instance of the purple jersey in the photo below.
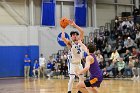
(95, 71)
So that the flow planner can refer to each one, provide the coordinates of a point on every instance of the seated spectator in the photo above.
(99, 43)
(50, 68)
(36, 71)
(137, 40)
(121, 66)
(117, 23)
(131, 63)
(136, 69)
(131, 23)
(99, 56)
(135, 53)
(120, 44)
(102, 65)
(136, 12)
(107, 50)
(114, 68)
(129, 43)
(126, 56)
(115, 56)
(107, 71)
(63, 70)
(126, 24)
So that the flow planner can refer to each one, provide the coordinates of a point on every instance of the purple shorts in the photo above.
(96, 84)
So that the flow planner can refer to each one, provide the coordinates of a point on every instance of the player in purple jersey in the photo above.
(96, 76)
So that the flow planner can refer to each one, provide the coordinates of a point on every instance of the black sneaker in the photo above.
(79, 92)
(69, 91)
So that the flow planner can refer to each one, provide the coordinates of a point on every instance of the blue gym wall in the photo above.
(12, 59)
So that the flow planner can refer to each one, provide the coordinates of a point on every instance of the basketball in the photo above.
(64, 22)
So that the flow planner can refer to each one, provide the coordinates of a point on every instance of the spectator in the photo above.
(36, 69)
(107, 33)
(115, 56)
(135, 53)
(131, 23)
(61, 68)
(120, 44)
(99, 56)
(65, 70)
(125, 24)
(114, 68)
(107, 50)
(136, 69)
(50, 68)
(107, 71)
(136, 12)
(102, 65)
(121, 66)
(99, 43)
(42, 62)
(137, 40)
(129, 44)
(26, 66)
(131, 63)
(117, 23)
(126, 56)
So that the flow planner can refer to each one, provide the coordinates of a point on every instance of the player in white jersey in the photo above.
(76, 46)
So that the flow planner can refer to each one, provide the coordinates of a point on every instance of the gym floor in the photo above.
(21, 85)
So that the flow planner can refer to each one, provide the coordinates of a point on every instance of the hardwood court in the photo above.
(60, 86)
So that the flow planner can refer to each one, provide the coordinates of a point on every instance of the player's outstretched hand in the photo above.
(72, 23)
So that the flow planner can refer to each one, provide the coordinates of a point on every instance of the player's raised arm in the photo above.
(66, 41)
(72, 23)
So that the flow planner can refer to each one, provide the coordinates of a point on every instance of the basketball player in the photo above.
(95, 72)
(76, 46)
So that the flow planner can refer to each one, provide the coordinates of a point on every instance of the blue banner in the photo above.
(48, 12)
(80, 12)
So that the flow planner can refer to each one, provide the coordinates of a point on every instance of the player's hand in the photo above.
(72, 23)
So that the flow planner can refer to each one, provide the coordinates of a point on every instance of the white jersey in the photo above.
(75, 53)
(42, 61)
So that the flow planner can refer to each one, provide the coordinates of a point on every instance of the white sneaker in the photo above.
(138, 77)
(133, 78)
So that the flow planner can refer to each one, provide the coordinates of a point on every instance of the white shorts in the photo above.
(73, 68)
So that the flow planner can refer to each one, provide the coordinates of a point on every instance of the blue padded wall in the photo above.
(12, 59)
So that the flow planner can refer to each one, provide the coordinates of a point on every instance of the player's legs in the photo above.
(91, 90)
(42, 70)
(25, 71)
(81, 85)
(70, 83)
(81, 77)
(28, 71)
(78, 68)
(34, 72)
(38, 70)
(72, 77)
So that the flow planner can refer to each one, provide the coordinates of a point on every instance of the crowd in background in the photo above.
(117, 51)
